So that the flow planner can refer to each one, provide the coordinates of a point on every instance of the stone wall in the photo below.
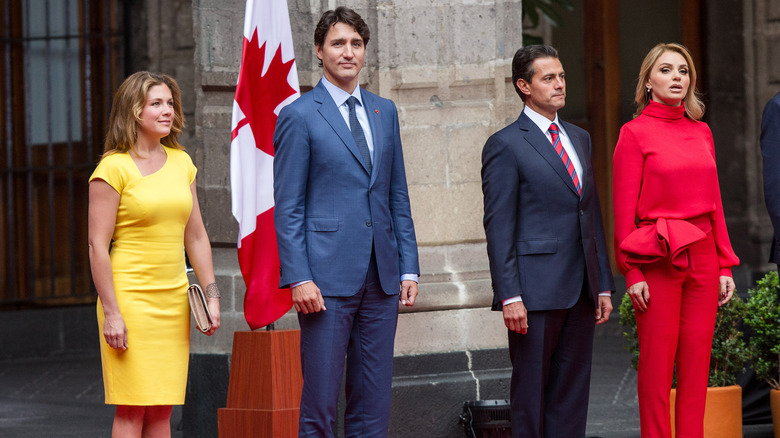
(447, 67)
(161, 40)
(756, 46)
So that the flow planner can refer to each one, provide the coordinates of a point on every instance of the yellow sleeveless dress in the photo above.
(150, 282)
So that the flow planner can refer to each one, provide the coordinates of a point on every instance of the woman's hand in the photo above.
(640, 295)
(213, 304)
(115, 332)
(727, 288)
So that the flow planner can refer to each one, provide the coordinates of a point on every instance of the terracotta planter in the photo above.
(774, 400)
(723, 413)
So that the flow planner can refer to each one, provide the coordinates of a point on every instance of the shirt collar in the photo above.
(340, 96)
(541, 121)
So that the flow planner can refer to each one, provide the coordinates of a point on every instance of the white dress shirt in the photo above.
(544, 125)
(340, 97)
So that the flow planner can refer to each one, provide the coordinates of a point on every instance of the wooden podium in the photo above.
(265, 386)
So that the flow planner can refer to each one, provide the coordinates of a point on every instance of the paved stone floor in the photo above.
(55, 397)
(63, 397)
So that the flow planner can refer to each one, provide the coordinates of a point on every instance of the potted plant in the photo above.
(763, 317)
(723, 412)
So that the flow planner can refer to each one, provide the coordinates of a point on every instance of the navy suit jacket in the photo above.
(329, 211)
(770, 149)
(543, 240)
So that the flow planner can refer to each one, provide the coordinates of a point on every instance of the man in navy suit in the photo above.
(344, 228)
(548, 257)
(770, 149)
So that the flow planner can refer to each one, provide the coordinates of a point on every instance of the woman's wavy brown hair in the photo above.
(126, 109)
(694, 107)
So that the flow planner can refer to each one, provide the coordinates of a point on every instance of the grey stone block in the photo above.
(215, 208)
(219, 38)
(432, 259)
(214, 171)
(239, 290)
(225, 261)
(216, 117)
(467, 257)
(49, 332)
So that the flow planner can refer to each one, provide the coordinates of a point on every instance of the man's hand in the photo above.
(408, 292)
(516, 317)
(307, 298)
(640, 295)
(603, 310)
(726, 289)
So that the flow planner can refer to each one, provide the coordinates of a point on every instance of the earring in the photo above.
(648, 89)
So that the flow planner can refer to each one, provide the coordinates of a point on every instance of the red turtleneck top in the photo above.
(664, 168)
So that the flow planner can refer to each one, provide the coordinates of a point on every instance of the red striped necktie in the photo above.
(556, 142)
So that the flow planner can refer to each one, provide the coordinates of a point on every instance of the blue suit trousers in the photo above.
(358, 330)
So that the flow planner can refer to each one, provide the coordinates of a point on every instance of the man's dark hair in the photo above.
(523, 63)
(344, 15)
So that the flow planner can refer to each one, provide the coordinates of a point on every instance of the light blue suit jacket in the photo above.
(329, 210)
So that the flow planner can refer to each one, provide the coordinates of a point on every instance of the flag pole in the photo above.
(265, 371)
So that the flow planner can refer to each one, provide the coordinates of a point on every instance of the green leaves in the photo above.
(763, 317)
(729, 351)
(549, 9)
(628, 321)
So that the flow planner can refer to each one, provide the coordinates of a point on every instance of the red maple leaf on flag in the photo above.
(258, 95)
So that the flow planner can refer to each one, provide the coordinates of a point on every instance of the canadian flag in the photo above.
(267, 82)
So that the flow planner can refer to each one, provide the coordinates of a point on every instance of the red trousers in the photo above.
(676, 331)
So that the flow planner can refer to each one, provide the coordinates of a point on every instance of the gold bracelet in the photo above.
(212, 291)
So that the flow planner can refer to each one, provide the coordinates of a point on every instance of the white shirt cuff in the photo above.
(512, 300)
(413, 277)
(605, 294)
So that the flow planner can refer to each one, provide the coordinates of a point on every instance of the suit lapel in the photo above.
(538, 141)
(375, 121)
(330, 112)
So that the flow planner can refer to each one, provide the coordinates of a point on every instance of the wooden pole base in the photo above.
(258, 423)
(265, 386)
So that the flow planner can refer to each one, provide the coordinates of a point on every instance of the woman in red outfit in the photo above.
(671, 241)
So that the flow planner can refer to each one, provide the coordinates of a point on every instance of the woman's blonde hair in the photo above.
(129, 102)
(694, 107)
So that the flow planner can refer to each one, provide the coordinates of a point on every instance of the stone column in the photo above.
(761, 51)
(447, 66)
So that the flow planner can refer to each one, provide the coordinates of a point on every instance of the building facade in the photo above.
(446, 64)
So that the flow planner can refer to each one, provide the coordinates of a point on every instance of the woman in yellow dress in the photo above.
(144, 207)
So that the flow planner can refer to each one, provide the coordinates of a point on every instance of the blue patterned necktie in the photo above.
(357, 133)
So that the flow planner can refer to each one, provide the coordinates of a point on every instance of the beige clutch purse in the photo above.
(199, 308)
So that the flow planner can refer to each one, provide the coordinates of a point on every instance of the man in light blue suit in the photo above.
(346, 240)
